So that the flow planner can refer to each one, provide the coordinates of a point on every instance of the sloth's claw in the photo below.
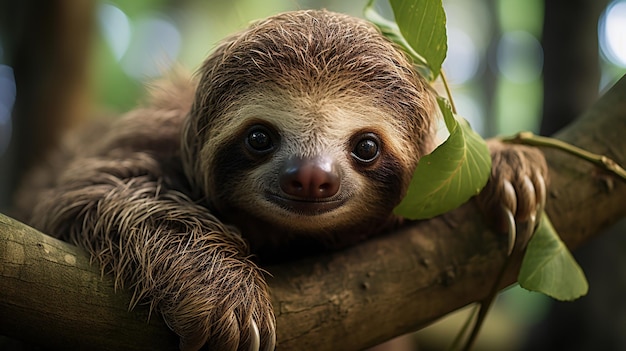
(527, 211)
(540, 188)
(510, 220)
(522, 219)
(271, 344)
(515, 195)
(521, 210)
(255, 337)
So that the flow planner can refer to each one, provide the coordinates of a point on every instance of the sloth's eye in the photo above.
(366, 148)
(259, 139)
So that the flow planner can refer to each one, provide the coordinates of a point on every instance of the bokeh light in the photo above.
(146, 46)
(463, 59)
(471, 109)
(7, 99)
(115, 28)
(153, 49)
(519, 56)
(612, 33)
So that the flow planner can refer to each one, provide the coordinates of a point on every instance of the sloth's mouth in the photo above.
(307, 207)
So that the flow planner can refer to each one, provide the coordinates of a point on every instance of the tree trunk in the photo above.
(47, 43)
(50, 295)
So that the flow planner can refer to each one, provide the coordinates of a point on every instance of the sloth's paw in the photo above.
(516, 188)
(233, 313)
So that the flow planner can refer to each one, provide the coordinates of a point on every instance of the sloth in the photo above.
(298, 134)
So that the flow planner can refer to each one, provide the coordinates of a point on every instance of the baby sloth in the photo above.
(301, 133)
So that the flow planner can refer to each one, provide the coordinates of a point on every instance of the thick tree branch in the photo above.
(49, 294)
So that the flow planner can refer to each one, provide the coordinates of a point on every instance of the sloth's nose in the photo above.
(310, 178)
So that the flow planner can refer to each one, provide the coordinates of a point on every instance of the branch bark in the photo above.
(51, 295)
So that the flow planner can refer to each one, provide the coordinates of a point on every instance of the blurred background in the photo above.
(514, 65)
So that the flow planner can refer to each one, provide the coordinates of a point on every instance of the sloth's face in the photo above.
(307, 123)
(309, 165)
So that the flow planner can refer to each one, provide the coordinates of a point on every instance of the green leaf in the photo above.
(423, 25)
(549, 268)
(457, 170)
(392, 32)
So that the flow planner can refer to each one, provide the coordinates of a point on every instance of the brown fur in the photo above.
(319, 78)
(122, 197)
(142, 194)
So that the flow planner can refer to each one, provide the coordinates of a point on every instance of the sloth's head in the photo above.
(308, 122)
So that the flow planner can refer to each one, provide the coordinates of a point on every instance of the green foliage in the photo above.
(423, 25)
(549, 268)
(457, 170)
(420, 29)
(390, 30)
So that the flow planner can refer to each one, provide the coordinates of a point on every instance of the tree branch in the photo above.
(50, 295)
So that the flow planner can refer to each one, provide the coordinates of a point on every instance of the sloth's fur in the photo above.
(319, 79)
(144, 193)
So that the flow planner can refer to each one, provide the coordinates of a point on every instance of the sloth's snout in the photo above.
(310, 178)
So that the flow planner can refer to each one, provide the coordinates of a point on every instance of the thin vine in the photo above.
(528, 138)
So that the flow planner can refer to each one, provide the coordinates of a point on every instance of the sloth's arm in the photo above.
(172, 253)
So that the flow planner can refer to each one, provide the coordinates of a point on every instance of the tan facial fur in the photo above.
(317, 80)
